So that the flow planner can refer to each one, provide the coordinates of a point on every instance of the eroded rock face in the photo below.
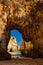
(12, 45)
(26, 48)
(27, 17)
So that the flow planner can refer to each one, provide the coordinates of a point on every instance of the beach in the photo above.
(22, 61)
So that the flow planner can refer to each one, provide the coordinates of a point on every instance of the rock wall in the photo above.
(26, 48)
(27, 17)
(2, 28)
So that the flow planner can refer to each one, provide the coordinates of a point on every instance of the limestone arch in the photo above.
(29, 29)
(25, 23)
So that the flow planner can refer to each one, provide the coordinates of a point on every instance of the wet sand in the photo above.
(22, 61)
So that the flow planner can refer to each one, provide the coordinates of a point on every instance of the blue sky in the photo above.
(15, 33)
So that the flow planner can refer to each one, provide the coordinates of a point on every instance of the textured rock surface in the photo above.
(26, 48)
(27, 17)
(26, 45)
(12, 45)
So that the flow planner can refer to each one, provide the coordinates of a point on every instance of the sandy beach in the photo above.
(22, 61)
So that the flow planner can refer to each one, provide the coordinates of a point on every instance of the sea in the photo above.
(15, 54)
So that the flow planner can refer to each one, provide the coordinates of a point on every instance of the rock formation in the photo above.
(12, 45)
(27, 17)
(26, 48)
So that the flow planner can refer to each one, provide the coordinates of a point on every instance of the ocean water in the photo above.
(18, 54)
(15, 54)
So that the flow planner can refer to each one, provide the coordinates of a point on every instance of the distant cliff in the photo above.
(12, 45)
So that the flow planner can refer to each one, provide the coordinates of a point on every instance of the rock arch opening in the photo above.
(15, 39)
(14, 43)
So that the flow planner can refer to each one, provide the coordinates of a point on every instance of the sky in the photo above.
(15, 33)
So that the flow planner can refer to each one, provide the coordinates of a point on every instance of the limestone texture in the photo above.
(26, 48)
(25, 16)
(12, 45)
